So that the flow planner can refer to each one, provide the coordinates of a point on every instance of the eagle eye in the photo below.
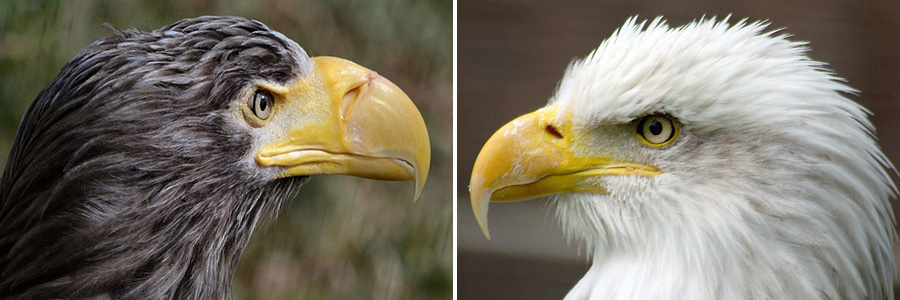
(261, 104)
(657, 130)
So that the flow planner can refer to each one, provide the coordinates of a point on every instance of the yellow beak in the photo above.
(534, 156)
(346, 119)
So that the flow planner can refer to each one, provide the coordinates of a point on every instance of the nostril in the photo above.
(552, 131)
(348, 101)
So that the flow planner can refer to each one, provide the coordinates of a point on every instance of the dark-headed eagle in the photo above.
(708, 161)
(141, 171)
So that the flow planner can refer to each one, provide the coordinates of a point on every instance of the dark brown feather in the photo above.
(126, 180)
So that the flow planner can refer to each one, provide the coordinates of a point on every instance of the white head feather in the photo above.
(775, 188)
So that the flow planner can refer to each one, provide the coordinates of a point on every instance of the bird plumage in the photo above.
(142, 117)
(135, 173)
(775, 187)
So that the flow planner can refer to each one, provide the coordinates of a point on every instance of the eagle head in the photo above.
(141, 171)
(708, 161)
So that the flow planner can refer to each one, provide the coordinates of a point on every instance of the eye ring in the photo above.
(261, 104)
(657, 130)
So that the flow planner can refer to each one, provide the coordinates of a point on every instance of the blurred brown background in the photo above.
(512, 53)
(343, 237)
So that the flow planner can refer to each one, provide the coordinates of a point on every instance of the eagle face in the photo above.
(143, 168)
(677, 155)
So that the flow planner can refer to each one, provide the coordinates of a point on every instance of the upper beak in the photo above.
(534, 156)
(346, 119)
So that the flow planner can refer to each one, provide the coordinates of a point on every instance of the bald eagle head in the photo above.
(141, 171)
(708, 161)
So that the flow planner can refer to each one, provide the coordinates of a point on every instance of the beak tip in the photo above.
(420, 184)
(487, 234)
(421, 168)
(480, 203)
(482, 223)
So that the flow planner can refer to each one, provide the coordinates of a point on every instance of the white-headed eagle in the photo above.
(708, 161)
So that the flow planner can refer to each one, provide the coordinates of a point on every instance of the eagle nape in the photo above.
(142, 169)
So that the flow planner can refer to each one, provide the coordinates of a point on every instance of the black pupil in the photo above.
(263, 102)
(655, 127)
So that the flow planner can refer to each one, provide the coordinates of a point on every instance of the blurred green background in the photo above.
(342, 237)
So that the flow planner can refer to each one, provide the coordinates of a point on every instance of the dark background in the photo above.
(342, 237)
(512, 53)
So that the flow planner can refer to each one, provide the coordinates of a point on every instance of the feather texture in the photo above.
(775, 189)
(129, 177)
